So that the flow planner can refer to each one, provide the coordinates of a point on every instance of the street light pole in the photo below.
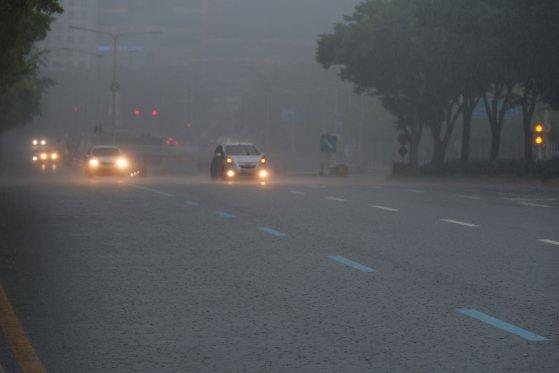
(98, 57)
(114, 89)
(115, 86)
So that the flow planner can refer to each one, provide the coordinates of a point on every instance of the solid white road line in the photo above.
(468, 197)
(534, 204)
(336, 199)
(297, 192)
(551, 242)
(385, 208)
(460, 223)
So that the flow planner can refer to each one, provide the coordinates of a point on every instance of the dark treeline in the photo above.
(22, 24)
(431, 62)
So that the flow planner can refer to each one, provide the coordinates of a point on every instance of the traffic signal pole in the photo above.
(113, 89)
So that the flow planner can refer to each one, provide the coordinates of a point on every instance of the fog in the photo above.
(218, 70)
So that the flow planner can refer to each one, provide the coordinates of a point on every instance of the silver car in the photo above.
(234, 160)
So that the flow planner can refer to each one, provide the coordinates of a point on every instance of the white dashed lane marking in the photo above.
(468, 197)
(415, 191)
(531, 204)
(297, 192)
(224, 214)
(385, 208)
(458, 222)
(551, 242)
(336, 199)
(152, 190)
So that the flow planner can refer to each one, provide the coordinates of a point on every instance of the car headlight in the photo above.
(93, 162)
(263, 174)
(263, 160)
(43, 142)
(54, 156)
(230, 173)
(34, 158)
(229, 160)
(35, 142)
(122, 163)
(43, 156)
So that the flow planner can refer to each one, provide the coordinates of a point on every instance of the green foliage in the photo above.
(22, 24)
(430, 61)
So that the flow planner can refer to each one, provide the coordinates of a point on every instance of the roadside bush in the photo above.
(548, 169)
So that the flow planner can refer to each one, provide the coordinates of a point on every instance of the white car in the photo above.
(237, 160)
(106, 160)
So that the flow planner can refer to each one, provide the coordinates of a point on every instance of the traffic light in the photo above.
(154, 113)
(539, 134)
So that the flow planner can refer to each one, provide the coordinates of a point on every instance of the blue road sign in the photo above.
(328, 143)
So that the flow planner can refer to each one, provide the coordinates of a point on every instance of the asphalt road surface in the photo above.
(298, 275)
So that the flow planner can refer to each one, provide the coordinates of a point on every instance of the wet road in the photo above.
(307, 275)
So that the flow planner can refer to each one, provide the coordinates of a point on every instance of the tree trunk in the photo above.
(528, 106)
(467, 108)
(439, 151)
(496, 116)
(528, 138)
(495, 143)
(466, 135)
(416, 131)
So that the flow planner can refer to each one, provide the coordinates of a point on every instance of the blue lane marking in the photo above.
(191, 203)
(271, 231)
(151, 190)
(351, 263)
(532, 337)
(224, 214)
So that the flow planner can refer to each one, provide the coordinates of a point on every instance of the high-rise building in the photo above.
(64, 43)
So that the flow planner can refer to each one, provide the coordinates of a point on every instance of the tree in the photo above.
(536, 62)
(22, 24)
(384, 51)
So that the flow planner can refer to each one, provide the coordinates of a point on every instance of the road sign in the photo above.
(403, 151)
(328, 143)
(115, 86)
(292, 116)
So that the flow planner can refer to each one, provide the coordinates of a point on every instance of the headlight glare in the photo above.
(122, 163)
(93, 162)
(43, 156)
(263, 174)
(54, 156)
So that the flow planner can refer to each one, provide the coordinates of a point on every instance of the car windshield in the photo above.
(105, 152)
(241, 150)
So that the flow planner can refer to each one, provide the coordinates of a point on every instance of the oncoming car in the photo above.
(46, 159)
(238, 160)
(106, 160)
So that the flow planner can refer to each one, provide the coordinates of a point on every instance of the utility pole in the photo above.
(115, 85)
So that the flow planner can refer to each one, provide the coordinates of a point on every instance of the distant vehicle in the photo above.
(106, 160)
(235, 160)
(46, 159)
(38, 143)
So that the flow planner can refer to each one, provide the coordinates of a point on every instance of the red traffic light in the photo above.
(154, 112)
(136, 112)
